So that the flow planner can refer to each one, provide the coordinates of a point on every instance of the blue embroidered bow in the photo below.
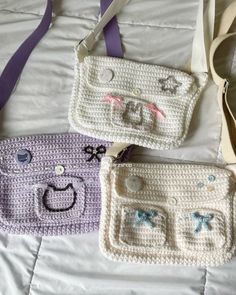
(145, 217)
(202, 221)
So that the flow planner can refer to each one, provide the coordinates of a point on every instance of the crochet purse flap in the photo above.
(119, 100)
(167, 213)
(49, 184)
(125, 101)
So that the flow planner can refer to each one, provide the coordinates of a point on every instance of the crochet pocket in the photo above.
(132, 114)
(142, 226)
(201, 230)
(59, 199)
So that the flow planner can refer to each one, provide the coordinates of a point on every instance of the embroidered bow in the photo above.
(117, 100)
(154, 109)
(145, 217)
(94, 152)
(202, 221)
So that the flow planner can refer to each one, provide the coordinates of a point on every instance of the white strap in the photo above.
(203, 36)
(87, 44)
(116, 148)
(228, 132)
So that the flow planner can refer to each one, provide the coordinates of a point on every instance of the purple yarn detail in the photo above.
(111, 33)
(16, 63)
(40, 199)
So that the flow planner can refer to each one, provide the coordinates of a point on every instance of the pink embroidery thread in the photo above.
(117, 100)
(153, 108)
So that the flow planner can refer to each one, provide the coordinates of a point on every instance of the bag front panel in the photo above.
(167, 213)
(126, 101)
(49, 184)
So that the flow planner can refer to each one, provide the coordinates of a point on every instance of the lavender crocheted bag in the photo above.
(49, 184)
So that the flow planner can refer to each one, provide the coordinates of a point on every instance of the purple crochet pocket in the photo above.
(49, 184)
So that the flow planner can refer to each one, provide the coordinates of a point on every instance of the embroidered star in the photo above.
(170, 84)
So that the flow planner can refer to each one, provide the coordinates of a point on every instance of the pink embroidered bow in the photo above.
(117, 100)
(152, 107)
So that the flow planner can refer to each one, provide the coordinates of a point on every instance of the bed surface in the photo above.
(72, 265)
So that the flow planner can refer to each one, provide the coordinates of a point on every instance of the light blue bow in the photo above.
(202, 221)
(145, 217)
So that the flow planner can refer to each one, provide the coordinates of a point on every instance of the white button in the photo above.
(172, 201)
(59, 170)
(134, 183)
(137, 91)
(106, 75)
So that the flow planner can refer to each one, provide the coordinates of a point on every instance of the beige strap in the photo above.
(228, 133)
(87, 44)
(116, 148)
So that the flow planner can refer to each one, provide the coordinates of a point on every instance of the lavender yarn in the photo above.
(49, 184)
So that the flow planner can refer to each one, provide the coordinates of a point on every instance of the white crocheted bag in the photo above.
(167, 213)
(126, 101)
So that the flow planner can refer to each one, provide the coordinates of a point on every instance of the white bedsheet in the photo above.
(73, 265)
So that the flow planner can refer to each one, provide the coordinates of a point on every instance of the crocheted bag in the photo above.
(126, 101)
(49, 184)
(166, 213)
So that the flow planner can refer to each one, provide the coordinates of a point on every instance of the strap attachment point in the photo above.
(226, 86)
(85, 46)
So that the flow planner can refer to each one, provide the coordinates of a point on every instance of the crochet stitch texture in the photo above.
(171, 92)
(48, 186)
(170, 219)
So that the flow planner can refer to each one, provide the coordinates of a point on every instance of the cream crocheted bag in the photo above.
(166, 213)
(126, 101)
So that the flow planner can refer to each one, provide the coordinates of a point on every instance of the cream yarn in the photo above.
(147, 105)
(171, 214)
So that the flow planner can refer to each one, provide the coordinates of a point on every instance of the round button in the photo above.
(106, 75)
(210, 188)
(172, 201)
(200, 185)
(211, 178)
(59, 170)
(134, 183)
(23, 157)
(137, 91)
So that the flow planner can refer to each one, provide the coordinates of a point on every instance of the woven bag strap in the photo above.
(15, 65)
(200, 50)
(228, 132)
(111, 33)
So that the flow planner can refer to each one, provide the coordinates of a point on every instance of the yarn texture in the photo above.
(49, 184)
(125, 101)
(169, 219)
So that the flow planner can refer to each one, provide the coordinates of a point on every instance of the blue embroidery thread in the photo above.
(144, 217)
(211, 178)
(202, 221)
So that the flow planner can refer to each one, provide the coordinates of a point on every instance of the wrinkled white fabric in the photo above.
(73, 265)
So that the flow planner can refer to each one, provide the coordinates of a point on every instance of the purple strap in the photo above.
(15, 65)
(111, 33)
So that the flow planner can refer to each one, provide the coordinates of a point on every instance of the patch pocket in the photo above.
(59, 199)
(142, 226)
(201, 230)
(132, 114)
